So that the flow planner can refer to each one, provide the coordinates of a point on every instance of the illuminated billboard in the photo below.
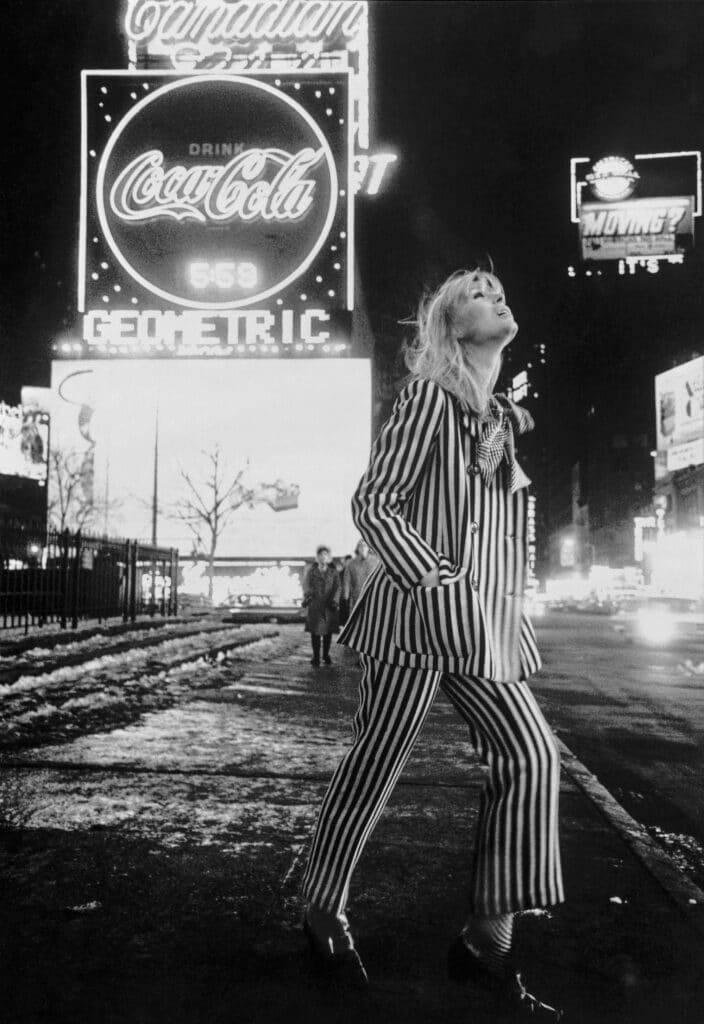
(275, 448)
(636, 212)
(216, 214)
(679, 412)
(24, 442)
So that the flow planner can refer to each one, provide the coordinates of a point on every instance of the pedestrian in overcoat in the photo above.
(357, 572)
(321, 597)
(443, 504)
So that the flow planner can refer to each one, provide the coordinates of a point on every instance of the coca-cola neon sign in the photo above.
(210, 224)
(239, 189)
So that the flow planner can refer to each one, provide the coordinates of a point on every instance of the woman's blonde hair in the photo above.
(436, 354)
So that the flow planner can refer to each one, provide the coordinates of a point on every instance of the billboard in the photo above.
(637, 227)
(216, 215)
(679, 414)
(272, 449)
(24, 442)
(637, 211)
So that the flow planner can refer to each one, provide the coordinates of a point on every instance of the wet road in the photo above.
(635, 717)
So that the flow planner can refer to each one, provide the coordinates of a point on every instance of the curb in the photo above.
(683, 892)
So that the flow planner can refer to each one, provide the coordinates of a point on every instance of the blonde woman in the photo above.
(443, 504)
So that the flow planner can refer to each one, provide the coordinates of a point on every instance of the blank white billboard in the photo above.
(295, 434)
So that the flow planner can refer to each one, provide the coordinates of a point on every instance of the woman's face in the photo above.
(323, 557)
(481, 316)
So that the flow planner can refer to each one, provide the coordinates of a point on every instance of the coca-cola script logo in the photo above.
(216, 191)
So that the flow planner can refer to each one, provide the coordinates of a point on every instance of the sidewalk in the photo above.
(151, 875)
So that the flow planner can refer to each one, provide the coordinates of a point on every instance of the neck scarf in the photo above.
(496, 440)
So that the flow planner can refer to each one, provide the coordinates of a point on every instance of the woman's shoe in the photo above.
(464, 965)
(332, 949)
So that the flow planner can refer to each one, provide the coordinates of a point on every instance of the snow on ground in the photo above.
(72, 646)
(109, 689)
(50, 630)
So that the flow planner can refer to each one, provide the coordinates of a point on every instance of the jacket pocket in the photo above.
(438, 620)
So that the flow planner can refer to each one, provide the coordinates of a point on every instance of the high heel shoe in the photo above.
(464, 964)
(332, 949)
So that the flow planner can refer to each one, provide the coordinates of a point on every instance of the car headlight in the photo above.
(657, 627)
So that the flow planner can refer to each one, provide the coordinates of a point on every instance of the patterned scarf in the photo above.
(497, 440)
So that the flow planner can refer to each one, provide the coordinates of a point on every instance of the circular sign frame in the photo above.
(190, 81)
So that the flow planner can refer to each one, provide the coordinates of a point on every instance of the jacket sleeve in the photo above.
(397, 459)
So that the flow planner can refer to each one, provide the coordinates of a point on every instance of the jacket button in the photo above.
(475, 583)
(472, 469)
(474, 527)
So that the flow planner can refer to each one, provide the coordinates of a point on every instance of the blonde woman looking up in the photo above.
(443, 504)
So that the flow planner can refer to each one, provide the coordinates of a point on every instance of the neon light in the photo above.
(576, 185)
(83, 200)
(650, 263)
(217, 192)
(192, 332)
(350, 207)
(613, 178)
(574, 201)
(223, 274)
(685, 152)
(370, 171)
(136, 188)
(166, 24)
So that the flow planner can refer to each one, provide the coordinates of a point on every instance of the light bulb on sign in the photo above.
(222, 274)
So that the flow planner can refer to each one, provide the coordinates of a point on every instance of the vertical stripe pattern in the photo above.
(516, 862)
(517, 855)
(423, 503)
(391, 712)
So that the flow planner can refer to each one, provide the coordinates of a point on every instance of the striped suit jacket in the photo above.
(422, 503)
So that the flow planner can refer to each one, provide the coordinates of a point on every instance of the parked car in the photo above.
(661, 621)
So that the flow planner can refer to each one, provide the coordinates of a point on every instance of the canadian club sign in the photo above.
(164, 24)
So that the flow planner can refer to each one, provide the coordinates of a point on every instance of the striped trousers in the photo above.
(516, 862)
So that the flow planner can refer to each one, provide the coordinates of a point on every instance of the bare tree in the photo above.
(72, 504)
(209, 502)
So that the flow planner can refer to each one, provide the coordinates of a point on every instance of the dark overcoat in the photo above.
(423, 503)
(321, 594)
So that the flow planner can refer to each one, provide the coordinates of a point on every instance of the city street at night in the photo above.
(633, 713)
(352, 512)
(154, 864)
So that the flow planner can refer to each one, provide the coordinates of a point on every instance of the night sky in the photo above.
(484, 103)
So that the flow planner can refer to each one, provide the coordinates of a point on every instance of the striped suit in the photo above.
(423, 503)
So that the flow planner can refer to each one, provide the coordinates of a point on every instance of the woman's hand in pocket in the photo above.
(431, 579)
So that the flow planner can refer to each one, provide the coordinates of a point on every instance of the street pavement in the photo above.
(633, 712)
(151, 873)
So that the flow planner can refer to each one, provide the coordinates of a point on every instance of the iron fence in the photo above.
(71, 576)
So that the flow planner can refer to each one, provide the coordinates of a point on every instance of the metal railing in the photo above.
(69, 576)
